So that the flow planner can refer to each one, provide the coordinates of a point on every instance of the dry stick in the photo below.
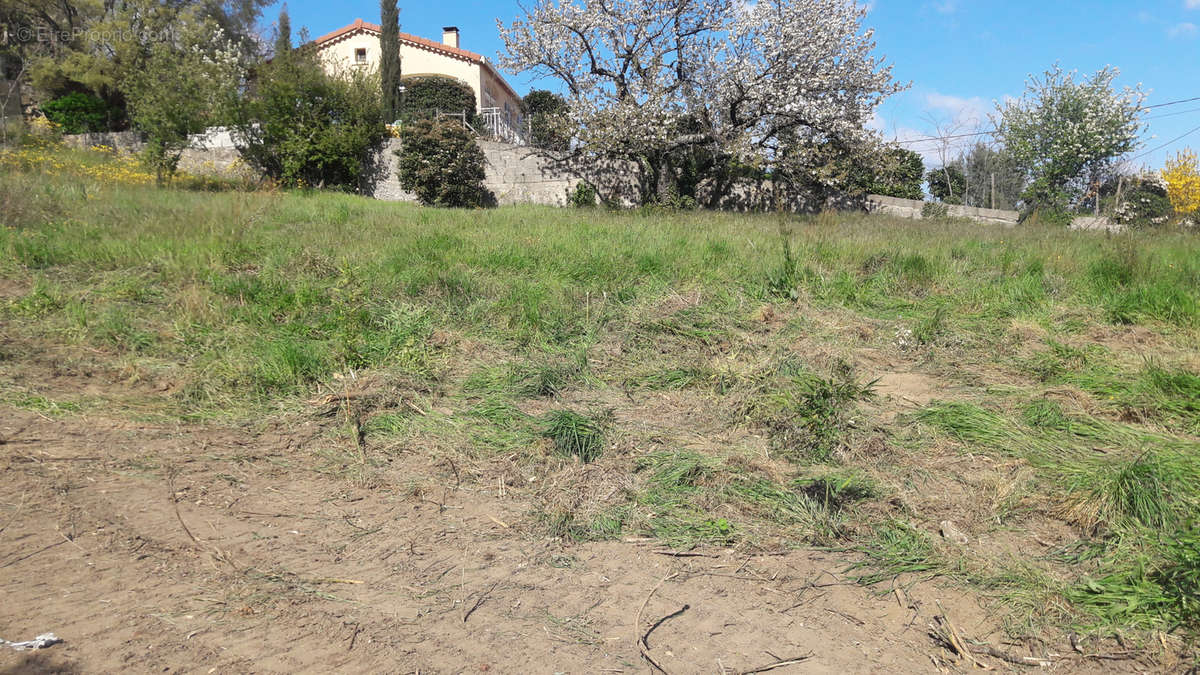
(1016, 660)
(20, 507)
(957, 642)
(479, 602)
(637, 622)
(778, 664)
(30, 555)
(672, 615)
(686, 554)
(175, 503)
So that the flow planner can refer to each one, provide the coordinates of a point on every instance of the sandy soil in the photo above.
(201, 549)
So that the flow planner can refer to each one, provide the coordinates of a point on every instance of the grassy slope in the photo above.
(714, 368)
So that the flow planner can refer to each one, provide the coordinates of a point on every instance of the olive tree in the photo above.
(1064, 134)
(771, 83)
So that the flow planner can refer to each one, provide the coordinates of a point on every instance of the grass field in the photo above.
(753, 381)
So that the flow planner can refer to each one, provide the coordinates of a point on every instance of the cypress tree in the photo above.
(283, 36)
(389, 67)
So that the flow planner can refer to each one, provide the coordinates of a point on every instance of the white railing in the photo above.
(498, 126)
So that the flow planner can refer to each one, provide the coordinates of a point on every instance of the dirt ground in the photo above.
(201, 549)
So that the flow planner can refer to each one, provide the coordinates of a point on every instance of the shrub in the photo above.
(1144, 200)
(948, 183)
(302, 126)
(547, 120)
(1182, 176)
(441, 163)
(897, 173)
(178, 92)
(426, 95)
(934, 211)
(583, 196)
(80, 113)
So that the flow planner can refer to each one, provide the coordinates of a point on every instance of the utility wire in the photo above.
(1163, 105)
(933, 139)
(1173, 114)
(1173, 140)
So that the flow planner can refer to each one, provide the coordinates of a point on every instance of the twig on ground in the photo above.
(672, 615)
(175, 504)
(30, 555)
(1013, 659)
(20, 507)
(778, 664)
(70, 540)
(845, 616)
(686, 554)
(482, 597)
(956, 640)
(637, 622)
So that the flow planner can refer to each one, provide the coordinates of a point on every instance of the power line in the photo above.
(934, 139)
(1163, 105)
(931, 139)
(1173, 140)
(1173, 114)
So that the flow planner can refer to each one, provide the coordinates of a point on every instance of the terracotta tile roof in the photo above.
(359, 24)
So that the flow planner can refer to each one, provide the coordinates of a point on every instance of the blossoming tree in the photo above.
(1065, 134)
(773, 83)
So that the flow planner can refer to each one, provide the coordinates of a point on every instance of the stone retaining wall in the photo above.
(912, 208)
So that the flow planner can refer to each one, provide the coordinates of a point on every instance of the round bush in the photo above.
(441, 163)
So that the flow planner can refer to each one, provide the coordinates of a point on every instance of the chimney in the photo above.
(450, 36)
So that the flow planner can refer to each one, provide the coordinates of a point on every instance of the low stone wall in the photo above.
(125, 142)
(213, 153)
(912, 208)
(515, 175)
(1096, 224)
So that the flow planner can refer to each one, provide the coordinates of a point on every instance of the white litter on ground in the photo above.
(40, 642)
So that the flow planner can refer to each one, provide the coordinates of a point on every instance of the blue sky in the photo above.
(959, 55)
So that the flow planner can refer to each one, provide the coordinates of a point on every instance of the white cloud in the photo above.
(1183, 30)
(1191, 4)
(970, 112)
(951, 6)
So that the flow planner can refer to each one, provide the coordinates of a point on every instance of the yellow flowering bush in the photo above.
(1182, 175)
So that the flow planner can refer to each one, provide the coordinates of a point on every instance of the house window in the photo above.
(360, 55)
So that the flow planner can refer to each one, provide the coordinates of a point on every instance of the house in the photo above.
(358, 46)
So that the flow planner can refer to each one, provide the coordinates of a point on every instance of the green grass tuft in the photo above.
(575, 435)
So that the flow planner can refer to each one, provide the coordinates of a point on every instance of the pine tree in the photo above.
(389, 67)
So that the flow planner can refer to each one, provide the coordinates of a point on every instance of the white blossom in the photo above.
(751, 80)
